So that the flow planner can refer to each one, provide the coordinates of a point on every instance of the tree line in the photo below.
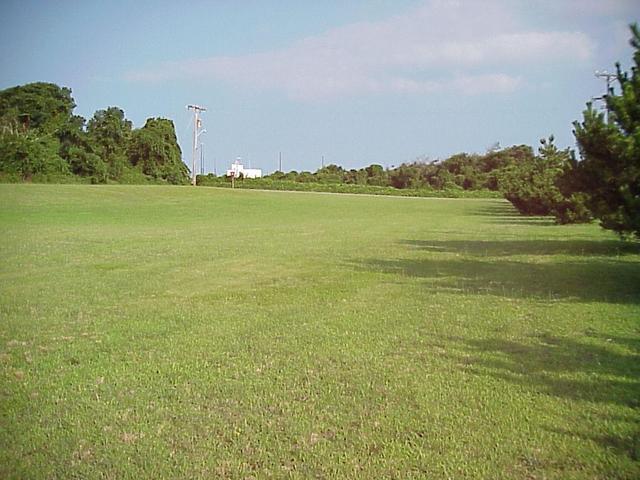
(601, 182)
(42, 139)
(461, 171)
(532, 182)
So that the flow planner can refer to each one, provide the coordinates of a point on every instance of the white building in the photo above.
(238, 169)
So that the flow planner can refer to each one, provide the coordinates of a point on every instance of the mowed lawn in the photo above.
(180, 332)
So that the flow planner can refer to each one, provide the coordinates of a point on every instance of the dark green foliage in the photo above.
(406, 176)
(272, 183)
(609, 172)
(462, 167)
(376, 175)
(154, 150)
(461, 172)
(491, 164)
(41, 106)
(331, 174)
(71, 134)
(356, 177)
(37, 121)
(108, 133)
(87, 164)
(305, 177)
(41, 139)
(27, 154)
(532, 185)
(572, 209)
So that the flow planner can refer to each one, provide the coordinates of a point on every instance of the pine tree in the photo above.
(609, 170)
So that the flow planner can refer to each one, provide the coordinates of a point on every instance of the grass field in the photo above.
(179, 332)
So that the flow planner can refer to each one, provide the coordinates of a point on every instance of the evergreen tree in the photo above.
(609, 170)
(533, 185)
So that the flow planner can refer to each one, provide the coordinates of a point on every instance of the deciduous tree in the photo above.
(109, 133)
(154, 149)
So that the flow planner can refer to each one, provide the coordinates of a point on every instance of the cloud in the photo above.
(468, 47)
(593, 7)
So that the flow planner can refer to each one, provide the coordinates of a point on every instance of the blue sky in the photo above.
(358, 82)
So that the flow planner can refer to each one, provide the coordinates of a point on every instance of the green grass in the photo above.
(173, 332)
(297, 186)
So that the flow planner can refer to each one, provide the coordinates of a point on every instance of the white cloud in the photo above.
(593, 7)
(489, 83)
(463, 46)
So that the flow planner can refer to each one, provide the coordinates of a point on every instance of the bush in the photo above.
(533, 185)
(26, 155)
(268, 183)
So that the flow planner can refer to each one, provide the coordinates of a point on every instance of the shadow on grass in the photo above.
(504, 213)
(595, 280)
(609, 248)
(623, 445)
(559, 366)
(593, 370)
(503, 208)
(587, 271)
(524, 221)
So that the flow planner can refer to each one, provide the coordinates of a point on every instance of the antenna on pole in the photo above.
(608, 77)
(197, 131)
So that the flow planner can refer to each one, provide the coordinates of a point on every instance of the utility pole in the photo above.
(201, 159)
(322, 161)
(608, 77)
(280, 162)
(197, 131)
